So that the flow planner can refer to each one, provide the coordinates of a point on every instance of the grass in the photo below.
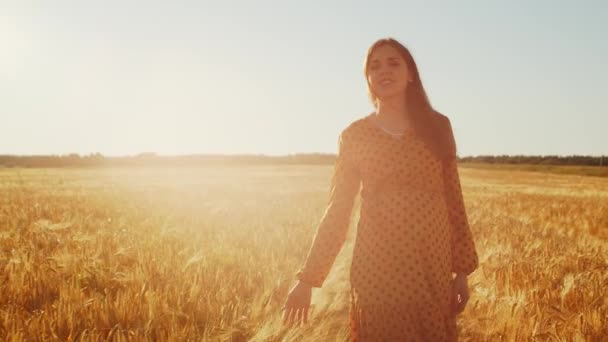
(209, 254)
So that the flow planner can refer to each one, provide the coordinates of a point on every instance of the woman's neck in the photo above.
(393, 114)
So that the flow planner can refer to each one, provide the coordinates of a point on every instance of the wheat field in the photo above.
(209, 254)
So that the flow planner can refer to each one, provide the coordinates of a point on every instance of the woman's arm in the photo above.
(333, 227)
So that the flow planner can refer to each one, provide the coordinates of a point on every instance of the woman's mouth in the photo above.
(386, 81)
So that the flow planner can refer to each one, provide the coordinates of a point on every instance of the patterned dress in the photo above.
(412, 233)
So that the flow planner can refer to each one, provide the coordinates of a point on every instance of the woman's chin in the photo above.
(390, 96)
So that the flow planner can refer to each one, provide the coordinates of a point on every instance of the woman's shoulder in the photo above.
(441, 118)
(444, 124)
(355, 127)
(445, 128)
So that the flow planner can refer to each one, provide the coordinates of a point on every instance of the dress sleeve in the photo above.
(464, 255)
(333, 228)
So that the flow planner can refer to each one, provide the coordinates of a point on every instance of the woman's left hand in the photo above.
(460, 293)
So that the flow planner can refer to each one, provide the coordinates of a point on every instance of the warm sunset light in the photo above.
(303, 171)
(214, 78)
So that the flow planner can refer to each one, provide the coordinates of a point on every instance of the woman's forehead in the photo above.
(385, 52)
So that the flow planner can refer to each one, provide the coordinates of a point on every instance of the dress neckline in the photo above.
(398, 136)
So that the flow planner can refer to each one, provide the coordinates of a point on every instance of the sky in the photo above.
(283, 77)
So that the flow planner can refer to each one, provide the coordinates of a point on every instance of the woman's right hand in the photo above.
(297, 304)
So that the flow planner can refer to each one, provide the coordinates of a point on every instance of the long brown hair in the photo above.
(434, 128)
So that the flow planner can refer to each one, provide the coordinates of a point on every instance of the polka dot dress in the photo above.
(412, 234)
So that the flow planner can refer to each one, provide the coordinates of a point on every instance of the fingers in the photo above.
(295, 316)
(305, 313)
(460, 297)
(460, 306)
(456, 309)
(464, 299)
(299, 316)
(459, 303)
(287, 315)
(290, 316)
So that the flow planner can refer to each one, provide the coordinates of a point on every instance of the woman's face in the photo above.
(387, 73)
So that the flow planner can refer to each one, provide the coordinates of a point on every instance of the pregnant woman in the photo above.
(413, 249)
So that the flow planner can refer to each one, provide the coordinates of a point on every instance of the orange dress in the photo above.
(412, 233)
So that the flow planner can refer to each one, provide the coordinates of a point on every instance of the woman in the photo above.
(414, 248)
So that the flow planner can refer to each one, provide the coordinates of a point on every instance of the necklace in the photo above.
(392, 133)
(396, 134)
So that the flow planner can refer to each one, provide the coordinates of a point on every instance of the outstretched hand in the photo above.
(297, 304)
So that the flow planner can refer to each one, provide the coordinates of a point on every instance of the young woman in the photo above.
(414, 248)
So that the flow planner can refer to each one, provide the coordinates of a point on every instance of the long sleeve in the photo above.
(333, 228)
(464, 256)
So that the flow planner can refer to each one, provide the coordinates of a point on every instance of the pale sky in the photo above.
(280, 77)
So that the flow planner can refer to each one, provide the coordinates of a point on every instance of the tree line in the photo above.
(539, 160)
(152, 159)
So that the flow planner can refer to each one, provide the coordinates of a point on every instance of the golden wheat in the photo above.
(209, 254)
